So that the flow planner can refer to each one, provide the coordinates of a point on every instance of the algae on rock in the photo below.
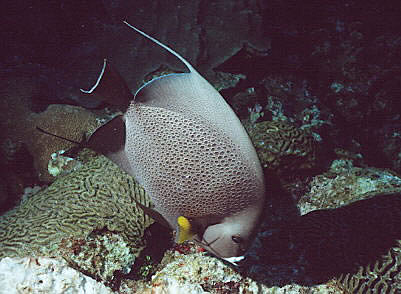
(344, 184)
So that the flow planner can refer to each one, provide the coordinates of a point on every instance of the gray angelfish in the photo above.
(183, 143)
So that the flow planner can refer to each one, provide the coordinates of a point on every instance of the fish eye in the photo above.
(236, 239)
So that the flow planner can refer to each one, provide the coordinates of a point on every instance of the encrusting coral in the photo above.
(97, 196)
(197, 273)
(44, 275)
(344, 184)
(71, 122)
(99, 255)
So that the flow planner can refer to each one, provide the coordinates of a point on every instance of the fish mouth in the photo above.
(205, 244)
(232, 260)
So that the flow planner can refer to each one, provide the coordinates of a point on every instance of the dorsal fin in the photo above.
(111, 87)
(182, 59)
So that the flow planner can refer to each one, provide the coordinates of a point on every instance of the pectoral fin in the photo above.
(185, 230)
(154, 214)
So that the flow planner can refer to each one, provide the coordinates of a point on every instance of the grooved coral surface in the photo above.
(98, 195)
(382, 276)
(345, 184)
(282, 147)
(71, 122)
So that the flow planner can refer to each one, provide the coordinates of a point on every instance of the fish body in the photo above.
(183, 143)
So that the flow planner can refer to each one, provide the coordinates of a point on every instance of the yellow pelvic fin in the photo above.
(184, 230)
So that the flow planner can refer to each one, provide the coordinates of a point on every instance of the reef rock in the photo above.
(45, 275)
(98, 196)
(348, 234)
(197, 273)
(344, 184)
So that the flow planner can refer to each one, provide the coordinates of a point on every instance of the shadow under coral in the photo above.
(313, 248)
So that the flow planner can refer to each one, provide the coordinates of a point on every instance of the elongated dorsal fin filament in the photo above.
(182, 59)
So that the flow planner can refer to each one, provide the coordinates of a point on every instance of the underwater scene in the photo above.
(174, 147)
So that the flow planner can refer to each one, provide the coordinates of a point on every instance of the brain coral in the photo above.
(345, 186)
(68, 121)
(96, 196)
(381, 276)
(283, 147)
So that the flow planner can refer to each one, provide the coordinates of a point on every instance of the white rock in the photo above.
(45, 275)
(170, 285)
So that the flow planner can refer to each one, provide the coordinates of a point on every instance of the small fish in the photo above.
(183, 143)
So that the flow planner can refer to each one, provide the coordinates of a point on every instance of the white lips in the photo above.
(234, 259)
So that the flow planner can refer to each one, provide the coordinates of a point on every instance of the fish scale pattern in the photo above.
(98, 195)
(187, 166)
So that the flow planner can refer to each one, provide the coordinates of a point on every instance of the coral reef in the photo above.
(99, 255)
(348, 233)
(61, 165)
(45, 275)
(71, 122)
(381, 276)
(344, 184)
(332, 70)
(197, 272)
(96, 196)
(22, 143)
(282, 147)
(388, 141)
